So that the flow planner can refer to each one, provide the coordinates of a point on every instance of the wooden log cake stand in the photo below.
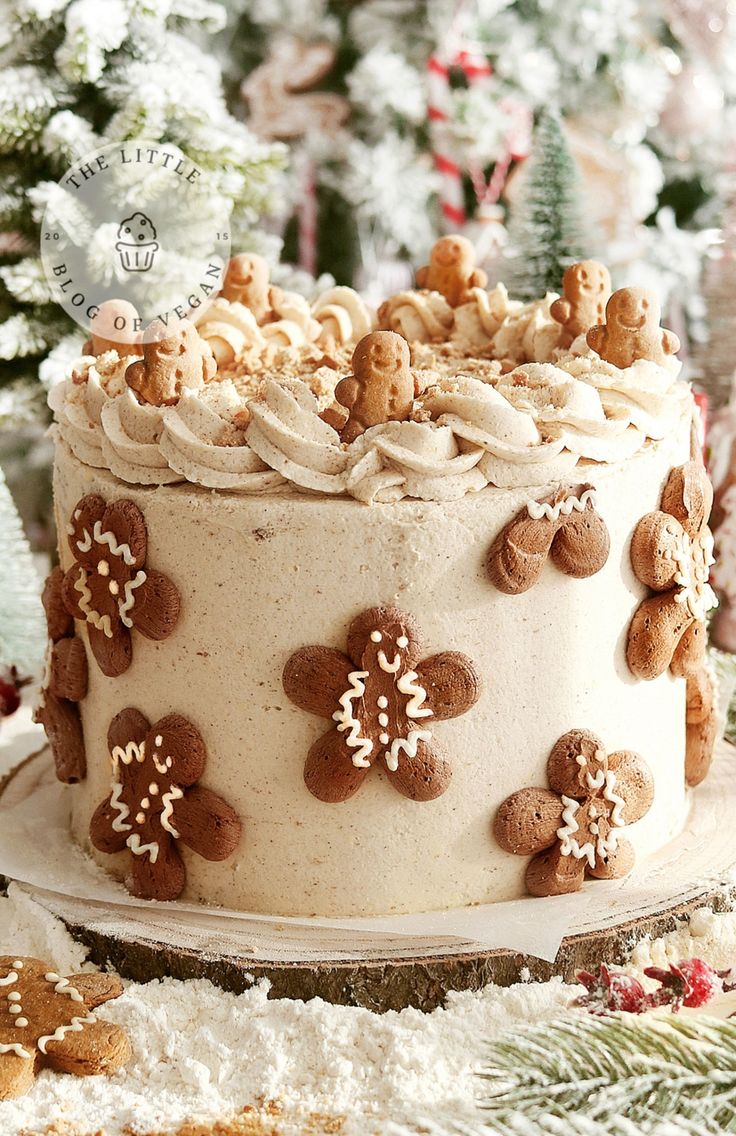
(390, 972)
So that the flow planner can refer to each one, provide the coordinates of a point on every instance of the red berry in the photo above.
(703, 981)
(612, 990)
(9, 697)
(691, 983)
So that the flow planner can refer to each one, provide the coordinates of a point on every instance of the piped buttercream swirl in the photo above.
(421, 317)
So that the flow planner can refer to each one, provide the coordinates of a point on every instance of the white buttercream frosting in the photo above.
(293, 325)
(343, 315)
(478, 320)
(471, 426)
(204, 441)
(528, 332)
(421, 317)
(231, 330)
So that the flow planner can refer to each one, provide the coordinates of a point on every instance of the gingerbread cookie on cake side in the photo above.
(426, 578)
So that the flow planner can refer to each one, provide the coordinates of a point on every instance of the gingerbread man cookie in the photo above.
(172, 361)
(247, 283)
(384, 702)
(115, 327)
(451, 270)
(586, 288)
(47, 1021)
(632, 330)
(381, 387)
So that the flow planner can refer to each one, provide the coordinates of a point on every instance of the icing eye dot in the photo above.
(376, 636)
(114, 587)
(158, 740)
(103, 568)
(402, 641)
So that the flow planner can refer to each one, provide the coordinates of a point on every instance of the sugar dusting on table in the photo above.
(206, 1061)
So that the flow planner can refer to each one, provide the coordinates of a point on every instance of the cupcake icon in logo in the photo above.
(137, 244)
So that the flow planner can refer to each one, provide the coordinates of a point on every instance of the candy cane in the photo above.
(476, 68)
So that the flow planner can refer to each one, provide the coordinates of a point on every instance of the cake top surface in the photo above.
(449, 389)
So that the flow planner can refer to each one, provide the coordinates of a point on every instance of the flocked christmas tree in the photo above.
(75, 74)
(22, 634)
(547, 230)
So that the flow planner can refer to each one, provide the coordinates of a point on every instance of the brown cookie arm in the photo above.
(135, 376)
(96, 989)
(561, 310)
(478, 278)
(347, 391)
(58, 619)
(157, 606)
(634, 783)
(527, 821)
(63, 725)
(670, 342)
(207, 824)
(596, 338)
(422, 276)
(315, 677)
(99, 1047)
(452, 684)
(114, 655)
(127, 726)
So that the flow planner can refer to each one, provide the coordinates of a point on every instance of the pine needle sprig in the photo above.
(611, 1067)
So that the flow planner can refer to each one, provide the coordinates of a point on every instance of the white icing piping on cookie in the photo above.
(101, 622)
(405, 745)
(408, 685)
(693, 558)
(118, 823)
(126, 604)
(63, 986)
(347, 721)
(539, 509)
(385, 665)
(139, 849)
(75, 1026)
(16, 1048)
(174, 794)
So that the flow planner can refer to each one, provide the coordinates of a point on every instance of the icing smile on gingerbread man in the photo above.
(383, 702)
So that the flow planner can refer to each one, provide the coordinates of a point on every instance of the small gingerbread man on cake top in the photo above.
(115, 327)
(172, 361)
(451, 270)
(381, 387)
(247, 282)
(586, 288)
(631, 330)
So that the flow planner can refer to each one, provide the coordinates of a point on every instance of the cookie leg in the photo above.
(424, 777)
(99, 1047)
(16, 1076)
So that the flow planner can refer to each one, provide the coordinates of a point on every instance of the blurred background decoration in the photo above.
(349, 134)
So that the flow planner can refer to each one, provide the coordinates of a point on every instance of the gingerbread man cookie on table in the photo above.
(586, 288)
(381, 387)
(451, 270)
(631, 330)
(172, 362)
(46, 1021)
